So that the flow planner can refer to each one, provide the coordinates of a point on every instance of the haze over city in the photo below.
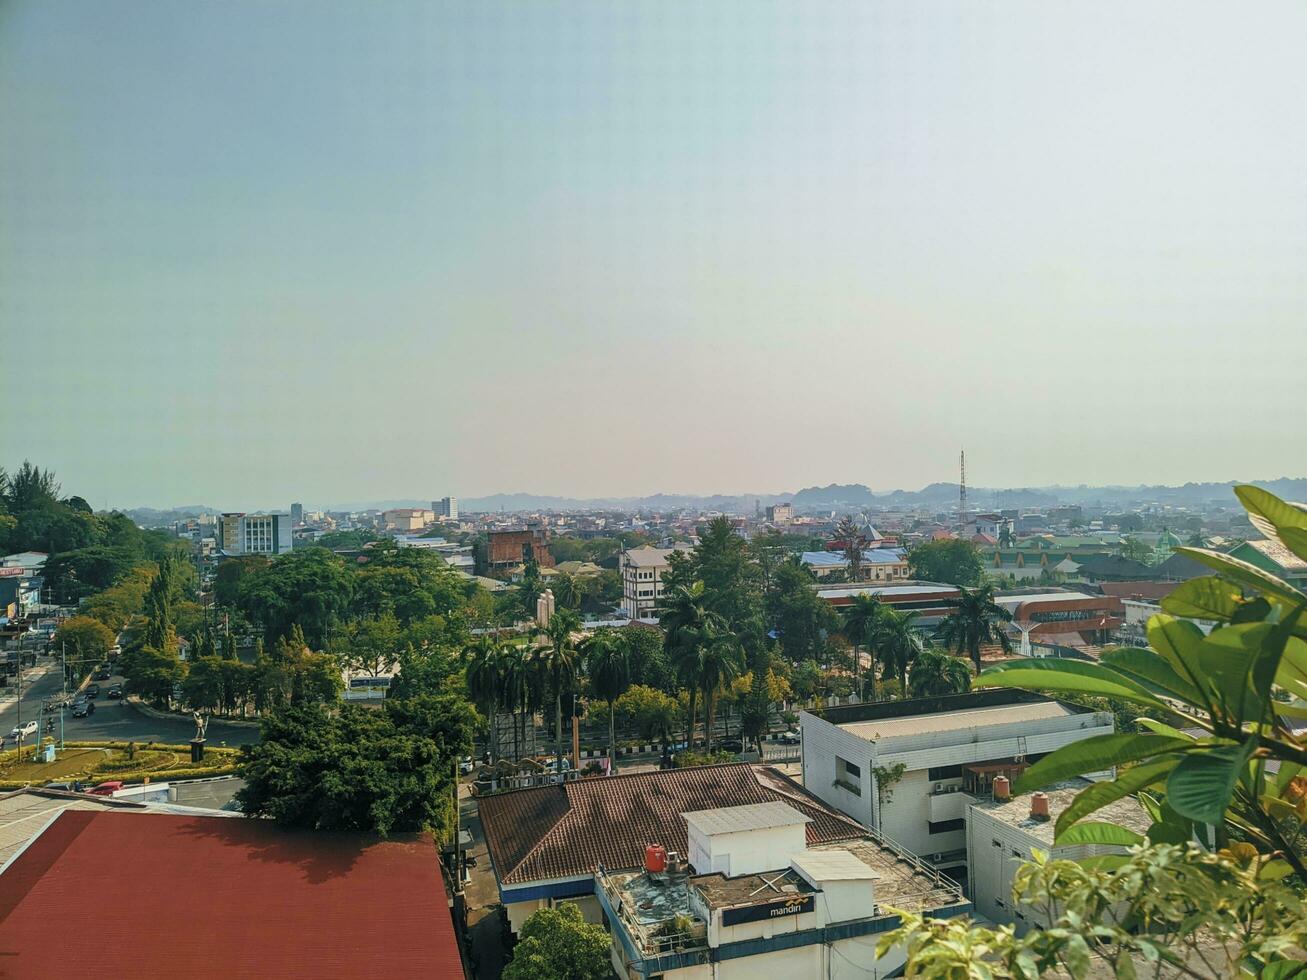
(264, 252)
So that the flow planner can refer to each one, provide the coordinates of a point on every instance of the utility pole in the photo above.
(962, 490)
(20, 696)
(63, 693)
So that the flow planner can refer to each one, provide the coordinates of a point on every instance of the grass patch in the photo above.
(95, 762)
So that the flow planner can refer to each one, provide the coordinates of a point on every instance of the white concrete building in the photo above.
(642, 572)
(771, 905)
(1003, 832)
(901, 767)
(255, 534)
(446, 508)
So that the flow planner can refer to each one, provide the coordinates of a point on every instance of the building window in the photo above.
(944, 772)
(944, 826)
(848, 775)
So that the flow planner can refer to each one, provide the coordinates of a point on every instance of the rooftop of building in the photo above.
(1015, 811)
(960, 720)
(649, 555)
(836, 559)
(243, 898)
(925, 589)
(881, 711)
(751, 816)
(569, 830)
(1279, 554)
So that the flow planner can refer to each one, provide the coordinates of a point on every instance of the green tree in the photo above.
(310, 587)
(559, 944)
(370, 646)
(954, 561)
(83, 640)
(690, 626)
(382, 771)
(152, 673)
(862, 619)
(852, 544)
(654, 713)
(608, 663)
(976, 621)
(231, 573)
(936, 673)
(485, 683)
(898, 642)
(559, 662)
(800, 616)
(1136, 550)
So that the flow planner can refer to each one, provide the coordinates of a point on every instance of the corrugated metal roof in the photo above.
(752, 816)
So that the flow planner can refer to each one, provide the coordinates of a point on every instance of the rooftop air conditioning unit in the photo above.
(937, 857)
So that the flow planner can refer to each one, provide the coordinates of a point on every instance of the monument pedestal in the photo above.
(197, 750)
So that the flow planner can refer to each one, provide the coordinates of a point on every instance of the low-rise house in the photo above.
(642, 571)
(546, 843)
(902, 767)
(1273, 557)
(878, 564)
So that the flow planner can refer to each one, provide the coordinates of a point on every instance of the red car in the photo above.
(107, 788)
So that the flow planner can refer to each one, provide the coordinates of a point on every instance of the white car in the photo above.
(23, 730)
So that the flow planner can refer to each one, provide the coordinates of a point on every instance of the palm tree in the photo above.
(898, 642)
(608, 662)
(848, 531)
(936, 672)
(559, 661)
(485, 683)
(976, 621)
(720, 661)
(860, 624)
(515, 676)
(689, 626)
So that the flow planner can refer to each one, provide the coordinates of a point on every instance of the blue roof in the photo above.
(836, 559)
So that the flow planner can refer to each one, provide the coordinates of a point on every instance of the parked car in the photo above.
(115, 690)
(465, 765)
(790, 738)
(107, 788)
(83, 709)
(104, 674)
(731, 745)
(91, 691)
(23, 730)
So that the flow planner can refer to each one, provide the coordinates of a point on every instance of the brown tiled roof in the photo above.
(567, 831)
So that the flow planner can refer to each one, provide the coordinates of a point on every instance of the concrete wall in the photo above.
(519, 912)
(746, 852)
(822, 743)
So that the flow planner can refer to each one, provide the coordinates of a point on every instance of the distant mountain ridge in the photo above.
(817, 500)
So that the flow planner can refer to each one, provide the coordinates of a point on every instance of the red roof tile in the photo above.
(201, 897)
(567, 831)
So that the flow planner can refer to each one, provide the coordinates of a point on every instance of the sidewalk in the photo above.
(9, 693)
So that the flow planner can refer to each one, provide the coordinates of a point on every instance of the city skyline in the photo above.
(607, 250)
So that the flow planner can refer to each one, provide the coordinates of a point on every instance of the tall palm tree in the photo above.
(689, 625)
(937, 672)
(608, 662)
(721, 660)
(515, 677)
(898, 642)
(559, 660)
(976, 621)
(485, 683)
(860, 625)
(848, 531)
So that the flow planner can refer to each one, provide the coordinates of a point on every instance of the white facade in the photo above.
(446, 507)
(255, 534)
(744, 840)
(642, 574)
(923, 810)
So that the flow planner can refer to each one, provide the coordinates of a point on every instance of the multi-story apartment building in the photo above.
(407, 519)
(780, 513)
(446, 507)
(909, 768)
(642, 573)
(296, 514)
(254, 534)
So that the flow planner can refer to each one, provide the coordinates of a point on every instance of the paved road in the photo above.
(114, 719)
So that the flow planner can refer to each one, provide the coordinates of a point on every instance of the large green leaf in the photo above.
(1095, 754)
(1245, 573)
(1269, 513)
(1292, 675)
(1100, 795)
(1153, 671)
(1288, 770)
(1097, 832)
(1227, 659)
(1200, 787)
(1210, 597)
(1295, 539)
(1069, 676)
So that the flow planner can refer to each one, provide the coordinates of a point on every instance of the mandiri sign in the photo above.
(794, 905)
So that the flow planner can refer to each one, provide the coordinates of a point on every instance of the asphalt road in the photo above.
(114, 719)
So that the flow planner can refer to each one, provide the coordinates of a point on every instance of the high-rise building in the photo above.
(296, 514)
(254, 534)
(446, 507)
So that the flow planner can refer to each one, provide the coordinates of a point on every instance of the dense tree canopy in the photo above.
(954, 561)
(311, 588)
(385, 771)
(559, 944)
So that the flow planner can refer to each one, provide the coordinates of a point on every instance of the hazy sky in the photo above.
(253, 253)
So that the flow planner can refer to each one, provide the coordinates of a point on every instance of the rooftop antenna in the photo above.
(962, 487)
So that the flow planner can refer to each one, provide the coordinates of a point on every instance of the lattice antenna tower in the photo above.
(962, 486)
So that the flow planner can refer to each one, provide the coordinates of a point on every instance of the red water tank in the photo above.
(655, 858)
(1002, 788)
(1039, 806)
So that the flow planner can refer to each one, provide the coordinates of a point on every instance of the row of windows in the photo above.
(944, 826)
(848, 775)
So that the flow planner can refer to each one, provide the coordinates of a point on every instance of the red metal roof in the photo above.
(158, 895)
(567, 831)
